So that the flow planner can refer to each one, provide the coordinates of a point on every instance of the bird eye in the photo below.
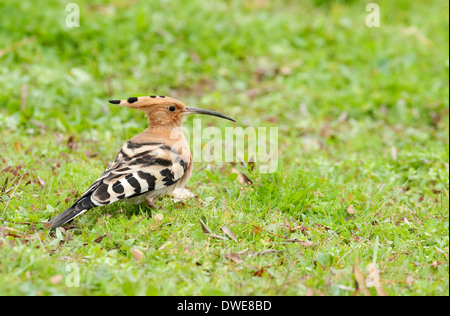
(172, 108)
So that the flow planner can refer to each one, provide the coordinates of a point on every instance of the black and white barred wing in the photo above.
(139, 168)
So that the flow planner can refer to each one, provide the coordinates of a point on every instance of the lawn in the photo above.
(359, 204)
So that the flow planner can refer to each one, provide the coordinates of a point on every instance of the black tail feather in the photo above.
(82, 205)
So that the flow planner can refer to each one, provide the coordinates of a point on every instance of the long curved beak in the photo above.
(207, 112)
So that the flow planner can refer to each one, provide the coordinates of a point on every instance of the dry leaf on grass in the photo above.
(208, 231)
(218, 237)
(56, 279)
(230, 234)
(360, 283)
(243, 252)
(7, 231)
(42, 182)
(373, 279)
(291, 228)
(304, 243)
(257, 253)
(205, 228)
(344, 287)
(242, 177)
(394, 153)
(233, 257)
(436, 264)
(182, 194)
(260, 272)
(264, 252)
(4, 230)
(351, 210)
(99, 239)
(137, 254)
(256, 229)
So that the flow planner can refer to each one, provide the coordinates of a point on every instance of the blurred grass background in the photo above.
(214, 53)
(357, 107)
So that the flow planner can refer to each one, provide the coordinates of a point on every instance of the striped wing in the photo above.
(138, 169)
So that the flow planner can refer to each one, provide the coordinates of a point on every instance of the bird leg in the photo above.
(153, 205)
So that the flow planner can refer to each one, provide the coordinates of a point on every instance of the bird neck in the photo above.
(169, 132)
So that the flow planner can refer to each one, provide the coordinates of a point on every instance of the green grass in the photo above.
(363, 121)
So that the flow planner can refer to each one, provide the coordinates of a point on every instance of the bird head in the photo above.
(165, 111)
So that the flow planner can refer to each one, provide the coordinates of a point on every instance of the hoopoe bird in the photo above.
(150, 165)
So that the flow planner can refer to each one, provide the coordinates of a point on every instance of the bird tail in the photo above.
(81, 206)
